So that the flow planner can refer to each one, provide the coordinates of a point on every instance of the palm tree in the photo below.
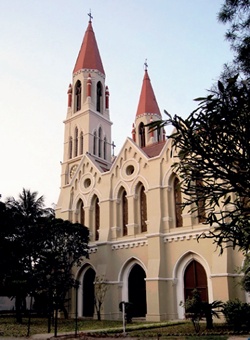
(27, 212)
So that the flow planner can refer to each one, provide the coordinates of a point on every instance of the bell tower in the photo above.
(147, 112)
(87, 125)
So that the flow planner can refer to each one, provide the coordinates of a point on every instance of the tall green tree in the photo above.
(236, 14)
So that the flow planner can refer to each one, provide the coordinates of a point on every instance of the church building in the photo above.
(141, 242)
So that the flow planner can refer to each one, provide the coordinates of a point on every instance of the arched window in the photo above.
(70, 147)
(124, 211)
(99, 97)
(143, 204)
(78, 95)
(158, 134)
(142, 135)
(76, 142)
(81, 143)
(201, 212)
(94, 143)
(105, 148)
(96, 217)
(100, 142)
(177, 203)
(81, 213)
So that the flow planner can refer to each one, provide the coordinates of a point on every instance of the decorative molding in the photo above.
(226, 275)
(159, 279)
(185, 235)
(129, 245)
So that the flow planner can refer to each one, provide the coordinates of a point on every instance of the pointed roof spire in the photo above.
(147, 101)
(89, 56)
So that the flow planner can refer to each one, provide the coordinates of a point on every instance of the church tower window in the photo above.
(70, 147)
(142, 135)
(100, 142)
(105, 148)
(76, 142)
(177, 203)
(99, 97)
(81, 143)
(94, 143)
(78, 95)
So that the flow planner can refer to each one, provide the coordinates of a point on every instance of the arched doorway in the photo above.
(137, 291)
(88, 293)
(195, 278)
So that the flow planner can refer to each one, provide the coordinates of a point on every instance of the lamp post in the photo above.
(76, 306)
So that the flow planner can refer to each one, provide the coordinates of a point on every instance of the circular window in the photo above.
(87, 183)
(130, 170)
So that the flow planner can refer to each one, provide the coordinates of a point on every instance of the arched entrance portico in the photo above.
(132, 276)
(137, 291)
(191, 271)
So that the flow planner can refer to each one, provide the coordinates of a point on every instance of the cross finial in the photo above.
(145, 65)
(90, 16)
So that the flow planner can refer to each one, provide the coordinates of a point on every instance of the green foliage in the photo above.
(38, 251)
(246, 271)
(213, 162)
(62, 245)
(196, 309)
(236, 13)
(237, 314)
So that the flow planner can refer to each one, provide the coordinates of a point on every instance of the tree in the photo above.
(196, 309)
(22, 217)
(101, 288)
(237, 14)
(62, 246)
(213, 162)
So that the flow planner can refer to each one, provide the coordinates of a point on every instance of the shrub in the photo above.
(237, 314)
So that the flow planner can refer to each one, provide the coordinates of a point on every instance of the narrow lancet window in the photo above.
(78, 95)
(99, 97)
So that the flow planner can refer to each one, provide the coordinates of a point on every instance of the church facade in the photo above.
(144, 246)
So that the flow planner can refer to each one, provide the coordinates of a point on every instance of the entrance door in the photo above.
(88, 293)
(195, 277)
(137, 291)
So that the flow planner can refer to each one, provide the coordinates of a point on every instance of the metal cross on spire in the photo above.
(145, 65)
(90, 16)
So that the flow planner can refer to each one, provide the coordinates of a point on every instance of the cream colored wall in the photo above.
(163, 251)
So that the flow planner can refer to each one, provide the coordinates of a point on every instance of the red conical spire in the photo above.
(89, 56)
(147, 102)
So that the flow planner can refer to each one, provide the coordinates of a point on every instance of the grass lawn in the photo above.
(170, 330)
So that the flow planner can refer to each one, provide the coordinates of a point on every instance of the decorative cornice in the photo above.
(129, 245)
(187, 235)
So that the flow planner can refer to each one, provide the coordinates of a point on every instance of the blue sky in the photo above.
(182, 41)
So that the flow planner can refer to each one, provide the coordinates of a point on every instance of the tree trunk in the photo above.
(209, 318)
(18, 304)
